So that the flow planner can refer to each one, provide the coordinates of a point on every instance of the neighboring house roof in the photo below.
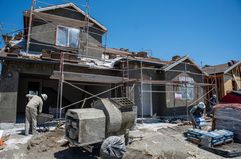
(222, 68)
(75, 7)
(184, 58)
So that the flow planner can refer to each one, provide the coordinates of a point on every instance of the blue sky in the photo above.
(207, 30)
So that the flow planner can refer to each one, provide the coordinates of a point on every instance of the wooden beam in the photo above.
(59, 19)
(236, 81)
(85, 77)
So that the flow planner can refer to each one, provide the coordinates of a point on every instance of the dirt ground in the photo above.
(158, 141)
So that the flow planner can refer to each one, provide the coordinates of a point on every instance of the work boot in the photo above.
(35, 132)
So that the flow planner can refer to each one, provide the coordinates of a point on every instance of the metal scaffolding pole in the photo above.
(87, 18)
(60, 89)
(30, 25)
(96, 95)
(142, 106)
(186, 88)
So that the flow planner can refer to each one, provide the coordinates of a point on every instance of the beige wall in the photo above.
(227, 84)
(238, 81)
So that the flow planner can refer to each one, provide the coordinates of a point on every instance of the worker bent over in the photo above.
(197, 115)
(33, 107)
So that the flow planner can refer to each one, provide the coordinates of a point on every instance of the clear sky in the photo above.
(207, 30)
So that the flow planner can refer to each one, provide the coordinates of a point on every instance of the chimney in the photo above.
(231, 62)
(142, 54)
(175, 58)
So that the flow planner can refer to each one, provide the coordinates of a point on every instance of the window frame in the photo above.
(68, 38)
(188, 87)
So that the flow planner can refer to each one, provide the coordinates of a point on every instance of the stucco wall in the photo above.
(44, 34)
(8, 95)
(174, 106)
(152, 101)
(15, 77)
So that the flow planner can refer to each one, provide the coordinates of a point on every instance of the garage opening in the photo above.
(38, 84)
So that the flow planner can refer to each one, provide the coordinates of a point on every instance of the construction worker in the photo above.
(197, 115)
(33, 108)
(212, 103)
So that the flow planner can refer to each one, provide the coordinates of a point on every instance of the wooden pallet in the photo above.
(219, 150)
(12, 54)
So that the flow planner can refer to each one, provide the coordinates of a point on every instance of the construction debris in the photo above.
(44, 142)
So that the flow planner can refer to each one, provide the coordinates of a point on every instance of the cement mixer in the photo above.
(106, 118)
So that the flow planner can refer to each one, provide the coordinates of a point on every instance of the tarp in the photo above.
(233, 97)
(228, 116)
(228, 105)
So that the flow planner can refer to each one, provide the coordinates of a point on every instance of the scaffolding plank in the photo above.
(85, 77)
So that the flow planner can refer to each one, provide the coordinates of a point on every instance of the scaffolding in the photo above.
(127, 86)
(207, 88)
(62, 62)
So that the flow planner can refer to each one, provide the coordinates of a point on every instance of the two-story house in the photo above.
(30, 63)
(53, 30)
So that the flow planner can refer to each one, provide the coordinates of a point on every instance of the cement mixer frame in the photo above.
(106, 117)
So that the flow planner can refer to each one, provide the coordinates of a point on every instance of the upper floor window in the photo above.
(67, 36)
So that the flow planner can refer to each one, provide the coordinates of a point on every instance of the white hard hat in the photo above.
(201, 105)
(44, 96)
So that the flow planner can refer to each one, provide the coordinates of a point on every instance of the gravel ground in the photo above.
(154, 141)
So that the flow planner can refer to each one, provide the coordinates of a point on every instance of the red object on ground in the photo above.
(231, 98)
(1, 142)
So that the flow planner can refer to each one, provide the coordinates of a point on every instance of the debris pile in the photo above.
(46, 141)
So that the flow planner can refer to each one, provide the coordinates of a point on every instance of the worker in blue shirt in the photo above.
(197, 115)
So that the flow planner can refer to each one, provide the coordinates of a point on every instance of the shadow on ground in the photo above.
(74, 153)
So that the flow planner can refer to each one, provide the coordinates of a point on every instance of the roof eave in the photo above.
(181, 60)
(175, 63)
(74, 6)
(232, 67)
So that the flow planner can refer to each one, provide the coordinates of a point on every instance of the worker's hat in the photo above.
(201, 105)
(44, 96)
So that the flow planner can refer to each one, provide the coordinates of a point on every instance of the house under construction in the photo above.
(226, 77)
(61, 52)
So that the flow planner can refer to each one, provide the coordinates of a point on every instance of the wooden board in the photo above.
(59, 19)
(85, 77)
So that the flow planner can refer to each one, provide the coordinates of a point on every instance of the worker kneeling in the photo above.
(34, 106)
(197, 115)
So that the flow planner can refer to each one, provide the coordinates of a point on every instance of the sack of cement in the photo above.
(228, 135)
(211, 138)
(112, 148)
(228, 116)
(201, 121)
(195, 133)
(214, 138)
